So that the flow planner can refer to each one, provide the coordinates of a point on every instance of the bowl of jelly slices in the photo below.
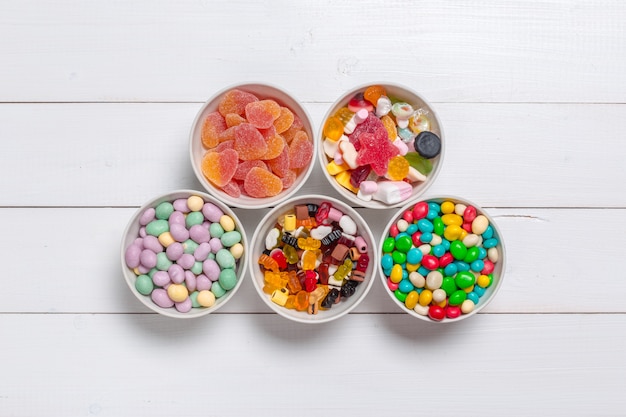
(313, 259)
(380, 145)
(442, 259)
(184, 254)
(252, 145)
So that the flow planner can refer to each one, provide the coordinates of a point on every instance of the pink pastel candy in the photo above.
(199, 233)
(392, 192)
(159, 297)
(401, 145)
(176, 273)
(203, 283)
(186, 260)
(161, 278)
(202, 251)
(174, 251)
(368, 187)
(148, 259)
(360, 116)
(152, 243)
(190, 281)
(212, 212)
(177, 217)
(184, 306)
(147, 216)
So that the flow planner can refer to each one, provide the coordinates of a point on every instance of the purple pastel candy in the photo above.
(176, 273)
(132, 256)
(216, 244)
(211, 269)
(174, 251)
(190, 281)
(202, 251)
(212, 212)
(159, 297)
(148, 258)
(152, 243)
(186, 260)
(177, 217)
(179, 232)
(181, 205)
(142, 232)
(161, 278)
(143, 269)
(184, 306)
(203, 283)
(139, 241)
(199, 233)
(147, 216)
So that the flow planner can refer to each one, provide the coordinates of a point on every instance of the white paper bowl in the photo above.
(132, 232)
(197, 150)
(258, 246)
(396, 93)
(498, 271)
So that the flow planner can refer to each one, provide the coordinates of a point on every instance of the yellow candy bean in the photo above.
(195, 203)
(227, 223)
(411, 300)
(177, 292)
(396, 274)
(447, 207)
(452, 218)
(426, 297)
(206, 298)
(166, 239)
(452, 232)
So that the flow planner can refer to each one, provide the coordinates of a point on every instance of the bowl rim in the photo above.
(129, 275)
(351, 197)
(501, 261)
(313, 319)
(251, 202)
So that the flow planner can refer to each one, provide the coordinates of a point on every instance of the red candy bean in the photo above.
(436, 313)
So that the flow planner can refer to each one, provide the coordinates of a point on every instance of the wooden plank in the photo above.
(61, 260)
(499, 155)
(362, 365)
(460, 51)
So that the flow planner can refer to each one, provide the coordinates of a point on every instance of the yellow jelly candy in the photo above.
(398, 168)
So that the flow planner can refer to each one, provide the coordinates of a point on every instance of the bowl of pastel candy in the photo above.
(313, 259)
(381, 145)
(251, 145)
(442, 259)
(183, 254)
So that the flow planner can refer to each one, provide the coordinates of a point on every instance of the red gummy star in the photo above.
(376, 150)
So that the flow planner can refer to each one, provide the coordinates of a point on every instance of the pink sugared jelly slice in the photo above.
(219, 167)
(235, 101)
(261, 114)
(300, 151)
(249, 142)
(245, 166)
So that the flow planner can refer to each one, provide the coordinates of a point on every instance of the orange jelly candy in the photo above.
(235, 101)
(214, 124)
(300, 151)
(373, 93)
(219, 167)
(284, 121)
(262, 183)
(275, 146)
(249, 143)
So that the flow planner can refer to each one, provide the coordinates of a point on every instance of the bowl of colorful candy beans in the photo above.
(381, 145)
(442, 259)
(313, 259)
(184, 254)
(251, 145)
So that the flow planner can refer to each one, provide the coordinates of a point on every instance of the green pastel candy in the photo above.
(230, 238)
(193, 218)
(217, 290)
(196, 268)
(189, 246)
(216, 230)
(144, 284)
(164, 210)
(228, 279)
(163, 263)
(225, 259)
(156, 227)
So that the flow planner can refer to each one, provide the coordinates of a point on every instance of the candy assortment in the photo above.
(438, 258)
(186, 253)
(379, 147)
(314, 257)
(253, 146)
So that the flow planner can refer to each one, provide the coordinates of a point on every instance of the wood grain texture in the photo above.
(498, 155)
(459, 51)
(368, 365)
(96, 103)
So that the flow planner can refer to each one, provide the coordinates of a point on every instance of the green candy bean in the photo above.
(216, 230)
(217, 290)
(193, 218)
(156, 227)
(164, 210)
(388, 245)
(457, 298)
(144, 284)
(163, 263)
(228, 279)
(225, 259)
(230, 238)
(464, 279)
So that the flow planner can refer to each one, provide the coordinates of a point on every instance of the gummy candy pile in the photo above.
(254, 146)
(378, 146)
(314, 258)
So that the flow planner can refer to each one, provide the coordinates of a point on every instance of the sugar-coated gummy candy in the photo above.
(219, 167)
(235, 101)
(262, 183)
(259, 131)
(261, 114)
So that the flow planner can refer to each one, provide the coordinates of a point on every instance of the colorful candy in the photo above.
(376, 139)
(433, 265)
(322, 261)
(254, 146)
(186, 254)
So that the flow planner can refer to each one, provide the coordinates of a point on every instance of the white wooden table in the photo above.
(96, 103)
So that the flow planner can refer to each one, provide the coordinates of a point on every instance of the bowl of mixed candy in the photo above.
(381, 145)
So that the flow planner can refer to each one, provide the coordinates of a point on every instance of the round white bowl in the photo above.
(396, 92)
(131, 233)
(258, 246)
(197, 150)
(499, 266)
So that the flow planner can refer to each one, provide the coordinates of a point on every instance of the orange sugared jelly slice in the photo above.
(213, 125)
(235, 101)
(261, 183)
(219, 167)
(261, 114)
(275, 147)
(284, 121)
